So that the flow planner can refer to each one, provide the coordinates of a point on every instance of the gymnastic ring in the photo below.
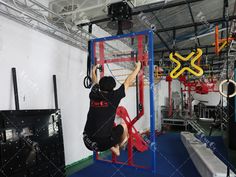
(88, 82)
(221, 88)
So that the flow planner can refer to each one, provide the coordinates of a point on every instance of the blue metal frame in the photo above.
(120, 36)
(152, 102)
(148, 33)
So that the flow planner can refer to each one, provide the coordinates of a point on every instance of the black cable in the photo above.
(108, 67)
(88, 80)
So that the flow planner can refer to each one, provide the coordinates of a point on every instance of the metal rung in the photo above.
(196, 126)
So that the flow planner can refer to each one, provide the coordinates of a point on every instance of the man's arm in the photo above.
(94, 74)
(132, 76)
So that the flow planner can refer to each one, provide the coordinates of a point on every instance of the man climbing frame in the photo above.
(100, 134)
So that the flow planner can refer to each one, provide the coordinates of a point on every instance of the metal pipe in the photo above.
(170, 113)
(191, 48)
(55, 28)
(213, 21)
(30, 16)
(206, 34)
(39, 29)
(17, 105)
(45, 8)
(55, 91)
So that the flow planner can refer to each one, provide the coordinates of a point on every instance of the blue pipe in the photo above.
(121, 36)
(152, 103)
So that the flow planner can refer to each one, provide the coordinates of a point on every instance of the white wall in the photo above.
(37, 57)
(211, 99)
(162, 95)
(162, 89)
(129, 102)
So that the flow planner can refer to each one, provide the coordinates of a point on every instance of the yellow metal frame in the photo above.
(174, 74)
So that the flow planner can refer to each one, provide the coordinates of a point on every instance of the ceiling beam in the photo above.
(147, 9)
(186, 48)
(212, 21)
(144, 9)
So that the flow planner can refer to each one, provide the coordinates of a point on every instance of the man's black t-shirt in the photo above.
(102, 111)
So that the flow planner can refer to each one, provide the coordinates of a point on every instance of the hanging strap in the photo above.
(88, 80)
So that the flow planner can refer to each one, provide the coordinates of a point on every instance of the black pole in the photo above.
(55, 91)
(226, 18)
(137, 96)
(137, 89)
(174, 41)
(17, 106)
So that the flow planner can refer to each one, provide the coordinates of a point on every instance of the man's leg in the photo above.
(124, 138)
(125, 135)
(116, 150)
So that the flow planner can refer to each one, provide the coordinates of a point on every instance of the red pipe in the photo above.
(118, 60)
(217, 39)
(130, 147)
(101, 55)
(170, 99)
(189, 101)
(141, 101)
(141, 81)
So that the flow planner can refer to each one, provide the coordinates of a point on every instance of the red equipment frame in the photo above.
(143, 58)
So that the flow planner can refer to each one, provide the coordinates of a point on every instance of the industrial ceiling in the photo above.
(188, 23)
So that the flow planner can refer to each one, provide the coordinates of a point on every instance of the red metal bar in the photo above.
(97, 156)
(94, 52)
(140, 48)
(124, 163)
(141, 101)
(102, 59)
(189, 101)
(141, 97)
(114, 158)
(170, 99)
(217, 40)
(118, 60)
(185, 90)
(141, 73)
(130, 147)
(141, 91)
(141, 81)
